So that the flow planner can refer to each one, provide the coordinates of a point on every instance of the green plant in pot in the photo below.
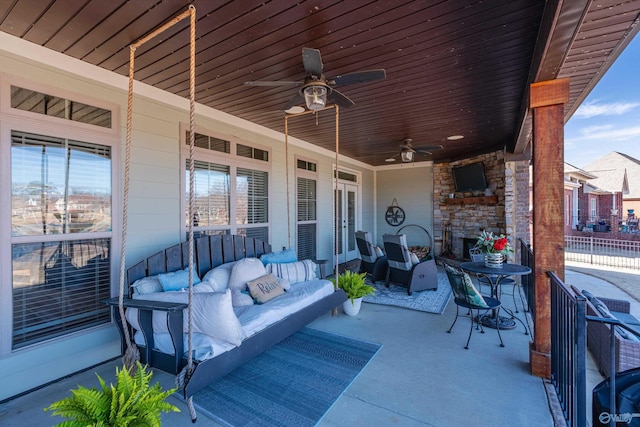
(131, 402)
(355, 286)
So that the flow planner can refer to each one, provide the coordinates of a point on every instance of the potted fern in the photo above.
(355, 286)
(131, 402)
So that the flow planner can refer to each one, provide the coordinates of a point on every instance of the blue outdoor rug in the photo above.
(429, 301)
(294, 383)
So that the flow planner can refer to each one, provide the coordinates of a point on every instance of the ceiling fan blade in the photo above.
(296, 100)
(272, 83)
(312, 61)
(358, 77)
(340, 99)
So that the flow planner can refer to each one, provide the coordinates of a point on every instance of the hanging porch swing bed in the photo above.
(155, 319)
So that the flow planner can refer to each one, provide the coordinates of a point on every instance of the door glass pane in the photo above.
(339, 221)
(351, 221)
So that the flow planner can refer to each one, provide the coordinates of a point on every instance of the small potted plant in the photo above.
(355, 286)
(131, 402)
(495, 247)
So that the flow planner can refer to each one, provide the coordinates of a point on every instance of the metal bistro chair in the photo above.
(477, 256)
(466, 295)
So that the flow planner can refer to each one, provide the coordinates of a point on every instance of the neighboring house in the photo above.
(597, 193)
(575, 202)
(617, 171)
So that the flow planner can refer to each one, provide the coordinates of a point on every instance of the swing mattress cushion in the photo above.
(252, 319)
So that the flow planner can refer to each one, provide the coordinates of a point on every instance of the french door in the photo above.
(346, 221)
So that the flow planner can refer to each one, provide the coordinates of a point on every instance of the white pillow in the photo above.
(201, 287)
(379, 252)
(414, 258)
(219, 276)
(294, 272)
(212, 314)
(244, 271)
(240, 299)
(284, 283)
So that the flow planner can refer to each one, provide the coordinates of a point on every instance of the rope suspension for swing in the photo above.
(337, 152)
(131, 353)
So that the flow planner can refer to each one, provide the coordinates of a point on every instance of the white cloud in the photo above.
(593, 109)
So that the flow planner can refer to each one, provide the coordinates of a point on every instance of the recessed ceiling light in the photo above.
(390, 159)
(455, 137)
(296, 109)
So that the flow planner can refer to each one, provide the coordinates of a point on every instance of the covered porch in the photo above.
(504, 76)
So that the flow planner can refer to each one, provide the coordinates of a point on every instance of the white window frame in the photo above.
(593, 208)
(26, 121)
(234, 162)
(311, 175)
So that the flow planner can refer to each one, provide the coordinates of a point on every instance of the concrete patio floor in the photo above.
(422, 376)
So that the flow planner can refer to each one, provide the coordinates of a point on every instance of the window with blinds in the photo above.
(212, 197)
(59, 186)
(252, 196)
(57, 288)
(306, 216)
(62, 187)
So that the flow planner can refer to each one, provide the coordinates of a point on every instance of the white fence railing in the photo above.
(609, 252)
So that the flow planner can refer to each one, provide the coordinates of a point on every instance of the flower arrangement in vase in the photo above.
(495, 247)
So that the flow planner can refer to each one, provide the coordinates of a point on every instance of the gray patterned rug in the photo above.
(293, 384)
(429, 301)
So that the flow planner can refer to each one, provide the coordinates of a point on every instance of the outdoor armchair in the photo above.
(407, 270)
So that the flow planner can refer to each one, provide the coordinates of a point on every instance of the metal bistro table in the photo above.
(495, 276)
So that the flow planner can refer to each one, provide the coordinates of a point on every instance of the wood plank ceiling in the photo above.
(455, 67)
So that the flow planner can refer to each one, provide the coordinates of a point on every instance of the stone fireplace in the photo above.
(458, 220)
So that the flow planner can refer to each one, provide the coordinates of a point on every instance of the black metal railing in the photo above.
(526, 258)
(568, 350)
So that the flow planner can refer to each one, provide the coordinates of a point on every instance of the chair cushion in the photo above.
(398, 255)
(146, 285)
(368, 252)
(463, 287)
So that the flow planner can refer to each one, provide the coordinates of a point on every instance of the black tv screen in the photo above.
(470, 177)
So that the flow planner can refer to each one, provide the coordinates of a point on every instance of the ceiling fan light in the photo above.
(406, 156)
(315, 97)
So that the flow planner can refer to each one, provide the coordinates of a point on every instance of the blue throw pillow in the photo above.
(282, 257)
(177, 280)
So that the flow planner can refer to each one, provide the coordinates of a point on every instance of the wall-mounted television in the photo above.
(470, 177)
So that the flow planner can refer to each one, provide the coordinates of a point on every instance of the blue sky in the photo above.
(609, 118)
